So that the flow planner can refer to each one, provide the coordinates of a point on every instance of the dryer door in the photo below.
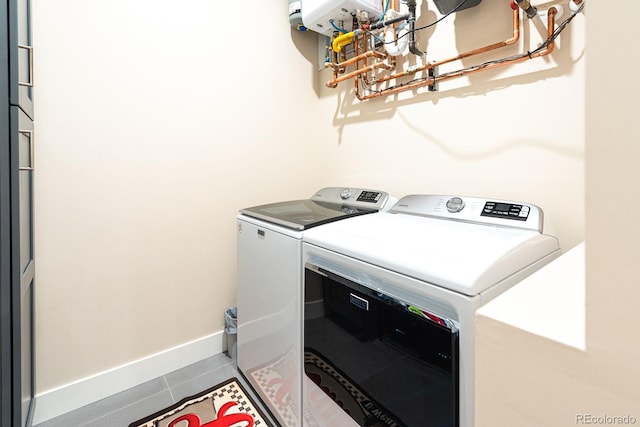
(386, 361)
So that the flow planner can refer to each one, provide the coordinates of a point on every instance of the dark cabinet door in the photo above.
(17, 268)
(21, 62)
(6, 367)
(17, 272)
(23, 291)
(6, 276)
(17, 277)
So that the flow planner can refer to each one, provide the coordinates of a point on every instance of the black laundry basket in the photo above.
(231, 330)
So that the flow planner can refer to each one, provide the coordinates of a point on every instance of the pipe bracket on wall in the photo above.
(433, 71)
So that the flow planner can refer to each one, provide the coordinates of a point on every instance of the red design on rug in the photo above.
(223, 419)
(285, 383)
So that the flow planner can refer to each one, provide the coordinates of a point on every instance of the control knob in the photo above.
(345, 193)
(455, 204)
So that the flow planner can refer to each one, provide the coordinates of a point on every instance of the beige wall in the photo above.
(156, 122)
(527, 380)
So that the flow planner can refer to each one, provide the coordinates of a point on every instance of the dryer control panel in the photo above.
(506, 210)
(471, 209)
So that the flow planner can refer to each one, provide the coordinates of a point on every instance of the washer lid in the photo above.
(303, 214)
(326, 205)
(462, 256)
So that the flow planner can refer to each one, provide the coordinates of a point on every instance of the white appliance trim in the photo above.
(74, 395)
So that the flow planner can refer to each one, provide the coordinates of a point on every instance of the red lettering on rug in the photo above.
(223, 419)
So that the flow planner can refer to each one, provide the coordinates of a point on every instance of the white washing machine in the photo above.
(269, 272)
(390, 300)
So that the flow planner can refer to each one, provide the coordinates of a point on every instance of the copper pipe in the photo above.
(427, 82)
(364, 75)
(356, 49)
(513, 39)
(334, 56)
(357, 72)
(449, 76)
(551, 13)
(362, 40)
(356, 80)
(357, 58)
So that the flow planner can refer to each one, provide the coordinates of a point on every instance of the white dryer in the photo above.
(390, 300)
(269, 268)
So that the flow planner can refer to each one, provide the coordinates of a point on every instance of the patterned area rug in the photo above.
(346, 394)
(224, 405)
(275, 382)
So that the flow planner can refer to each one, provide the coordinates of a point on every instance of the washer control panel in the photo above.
(354, 197)
(369, 196)
(472, 209)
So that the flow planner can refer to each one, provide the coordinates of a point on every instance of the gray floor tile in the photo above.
(135, 394)
(122, 409)
(74, 418)
(203, 382)
(197, 369)
(134, 412)
(130, 405)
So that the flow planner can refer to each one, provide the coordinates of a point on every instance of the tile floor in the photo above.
(131, 405)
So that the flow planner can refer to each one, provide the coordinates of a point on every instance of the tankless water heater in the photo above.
(318, 14)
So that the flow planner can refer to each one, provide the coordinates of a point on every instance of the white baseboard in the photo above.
(66, 398)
